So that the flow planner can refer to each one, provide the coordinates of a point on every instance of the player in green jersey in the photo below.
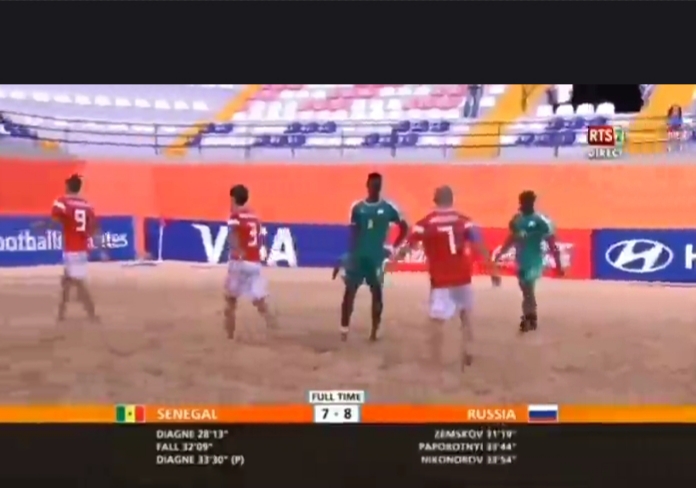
(370, 220)
(528, 232)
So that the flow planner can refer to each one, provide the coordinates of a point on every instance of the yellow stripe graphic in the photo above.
(224, 115)
(483, 138)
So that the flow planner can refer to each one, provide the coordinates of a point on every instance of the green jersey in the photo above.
(372, 220)
(530, 232)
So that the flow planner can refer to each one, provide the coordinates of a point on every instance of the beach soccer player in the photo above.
(76, 217)
(244, 270)
(449, 239)
(528, 230)
(370, 220)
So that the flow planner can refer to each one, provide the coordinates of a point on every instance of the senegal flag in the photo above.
(130, 414)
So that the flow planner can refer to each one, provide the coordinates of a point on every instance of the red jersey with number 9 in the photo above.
(445, 236)
(79, 223)
(247, 228)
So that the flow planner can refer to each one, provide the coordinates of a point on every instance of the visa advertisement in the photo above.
(22, 245)
(645, 255)
(283, 245)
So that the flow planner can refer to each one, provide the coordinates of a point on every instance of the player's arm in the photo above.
(97, 235)
(550, 239)
(509, 241)
(336, 269)
(411, 241)
(354, 228)
(472, 233)
(232, 236)
(57, 213)
(95, 231)
(398, 219)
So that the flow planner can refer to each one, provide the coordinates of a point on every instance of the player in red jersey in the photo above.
(244, 278)
(447, 238)
(80, 230)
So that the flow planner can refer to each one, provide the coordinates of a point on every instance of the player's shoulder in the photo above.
(542, 217)
(72, 201)
(515, 220)
(389, 203)
(242, 215)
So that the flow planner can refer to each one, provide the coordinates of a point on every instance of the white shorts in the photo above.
(445, 303)
(75, 264)
(244, 279)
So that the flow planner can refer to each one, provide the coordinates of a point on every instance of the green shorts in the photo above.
(529, 274)
(365, 270)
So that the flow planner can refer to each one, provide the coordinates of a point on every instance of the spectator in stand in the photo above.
(473, 100)
(675, 130)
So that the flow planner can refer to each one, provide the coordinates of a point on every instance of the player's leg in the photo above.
(441, 309)
(375, 281)
(354, 277)
(257, 289)
(65, 287)
(76, 274)
(527, 279)
(234, 283)
(230, 322)
(463, 297)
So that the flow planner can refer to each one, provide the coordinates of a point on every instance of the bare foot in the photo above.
(230, 333)
(467, 360)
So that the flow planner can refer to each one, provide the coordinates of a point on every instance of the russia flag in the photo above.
(542, 413)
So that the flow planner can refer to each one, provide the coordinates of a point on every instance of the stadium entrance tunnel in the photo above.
(626, 98)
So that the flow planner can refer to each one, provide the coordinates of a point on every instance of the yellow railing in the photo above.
(52, 132)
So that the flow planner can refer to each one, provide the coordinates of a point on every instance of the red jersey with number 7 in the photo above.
(77, 217)
(247, 228)
(446, 235)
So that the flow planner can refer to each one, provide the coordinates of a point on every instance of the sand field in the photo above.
(161, 341)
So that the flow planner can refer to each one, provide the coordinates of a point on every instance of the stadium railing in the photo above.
(53, 132)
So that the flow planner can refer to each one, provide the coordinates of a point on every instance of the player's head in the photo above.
(239, 195)
(73, 184)
(527, 201)
(444, 196)
(374, 184)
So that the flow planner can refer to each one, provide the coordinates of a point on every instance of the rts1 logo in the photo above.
(605, 141)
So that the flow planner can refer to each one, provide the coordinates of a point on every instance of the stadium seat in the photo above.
(277, 115)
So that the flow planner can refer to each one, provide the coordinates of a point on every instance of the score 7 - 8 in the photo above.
(337, 414)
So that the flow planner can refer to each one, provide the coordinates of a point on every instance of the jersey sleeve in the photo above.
(58, 209)
(233, 221)
(472, 232)
(417, 233)
(395, 214)
(546, 225)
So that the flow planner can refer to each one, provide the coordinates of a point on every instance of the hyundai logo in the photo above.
(639, 256)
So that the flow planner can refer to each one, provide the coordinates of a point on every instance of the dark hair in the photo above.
(674, 110)
(527, 196)
(240, 194)
(74, 183)
(374, 176)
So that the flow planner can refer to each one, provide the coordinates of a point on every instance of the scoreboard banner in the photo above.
(259, 456)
